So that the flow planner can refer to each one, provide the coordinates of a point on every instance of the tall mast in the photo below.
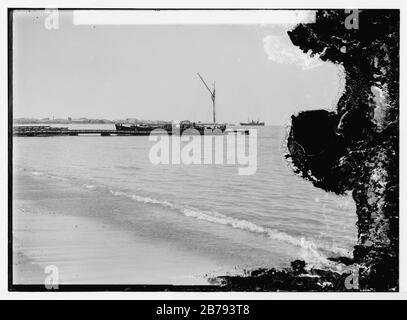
(213, 104)
(212, 92)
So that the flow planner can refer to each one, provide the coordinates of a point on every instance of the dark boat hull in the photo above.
(181, 128)
(252, 124)
(122, 127)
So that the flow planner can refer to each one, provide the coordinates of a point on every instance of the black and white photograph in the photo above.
(203, 149)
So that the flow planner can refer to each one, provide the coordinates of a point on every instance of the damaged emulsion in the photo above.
(355, 148)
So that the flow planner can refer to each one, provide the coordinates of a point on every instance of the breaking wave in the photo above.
(89, 186)
(313, 248)
(37, 173)
(43, 174)
(313, 251)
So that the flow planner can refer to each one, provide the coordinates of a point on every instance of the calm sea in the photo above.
(270, 217)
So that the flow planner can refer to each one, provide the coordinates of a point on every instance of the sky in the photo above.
(150, 71)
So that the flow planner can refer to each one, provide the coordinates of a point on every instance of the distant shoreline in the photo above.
(84, 120)
(34, 121)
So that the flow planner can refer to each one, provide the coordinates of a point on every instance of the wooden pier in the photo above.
(106, 133)
(45, 131)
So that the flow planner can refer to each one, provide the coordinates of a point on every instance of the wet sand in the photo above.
(53, 225)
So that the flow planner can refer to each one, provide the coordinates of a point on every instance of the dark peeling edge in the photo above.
(10, 143)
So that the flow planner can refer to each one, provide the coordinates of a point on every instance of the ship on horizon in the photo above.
(252, 123)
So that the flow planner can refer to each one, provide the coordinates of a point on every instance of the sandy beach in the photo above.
(52, 226)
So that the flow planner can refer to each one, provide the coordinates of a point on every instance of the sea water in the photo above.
(265, 219)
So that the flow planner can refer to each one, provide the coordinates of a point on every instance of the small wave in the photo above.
(143, 199)
(273, 234)
(132, 168)
(312, 249)
(37, 173)
(89, 186)
(45, 174)
(50, 176)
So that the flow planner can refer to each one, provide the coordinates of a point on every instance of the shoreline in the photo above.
(86, 249)
(96, 237)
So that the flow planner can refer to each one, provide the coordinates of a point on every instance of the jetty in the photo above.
(43, 131)
(137, 129)
(46, 131)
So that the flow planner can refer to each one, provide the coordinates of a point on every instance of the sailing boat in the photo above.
(214, 125)
(202, 128)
